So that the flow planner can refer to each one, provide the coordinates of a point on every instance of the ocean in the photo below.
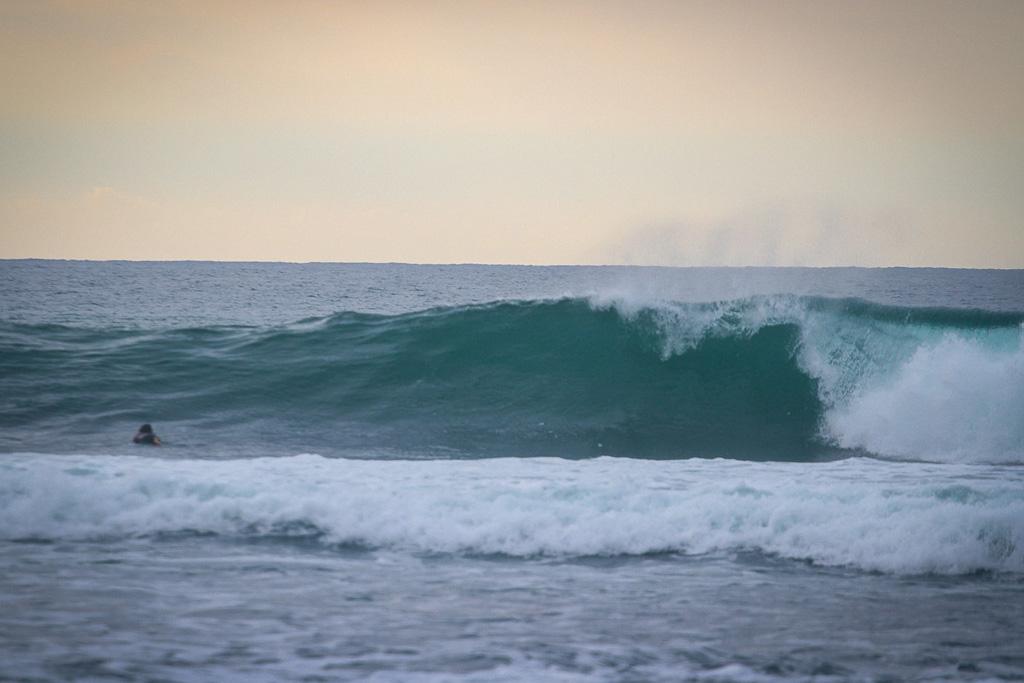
(394, 472)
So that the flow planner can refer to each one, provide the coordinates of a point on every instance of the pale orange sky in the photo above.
(680, 133)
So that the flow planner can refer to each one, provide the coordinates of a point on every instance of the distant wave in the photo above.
(856, 512)
(763, 378)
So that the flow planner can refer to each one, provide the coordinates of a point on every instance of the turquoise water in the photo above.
(510, 473)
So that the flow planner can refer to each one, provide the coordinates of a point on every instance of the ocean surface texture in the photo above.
(503, 473)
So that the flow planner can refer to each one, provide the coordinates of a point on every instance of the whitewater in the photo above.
(856, 512)
(389, 472)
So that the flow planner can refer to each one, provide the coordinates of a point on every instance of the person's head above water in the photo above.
(146, 436)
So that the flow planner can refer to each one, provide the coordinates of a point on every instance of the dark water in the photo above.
(510, 473)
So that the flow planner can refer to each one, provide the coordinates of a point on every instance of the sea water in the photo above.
(393, 472)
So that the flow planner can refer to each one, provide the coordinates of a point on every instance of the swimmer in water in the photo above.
(146, 436)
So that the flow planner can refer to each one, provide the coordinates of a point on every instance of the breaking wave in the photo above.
(767, 378)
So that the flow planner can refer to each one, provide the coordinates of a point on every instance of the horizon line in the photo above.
(500, 265)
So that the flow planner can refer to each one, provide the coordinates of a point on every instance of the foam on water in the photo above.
(955, 400)
(892, 517)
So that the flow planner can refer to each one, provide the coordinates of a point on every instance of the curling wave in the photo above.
(767, 378)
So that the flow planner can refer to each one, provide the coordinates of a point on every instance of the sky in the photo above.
(772, 132)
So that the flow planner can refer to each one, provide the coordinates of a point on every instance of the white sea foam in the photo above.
(892, 517)
(956, 400)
